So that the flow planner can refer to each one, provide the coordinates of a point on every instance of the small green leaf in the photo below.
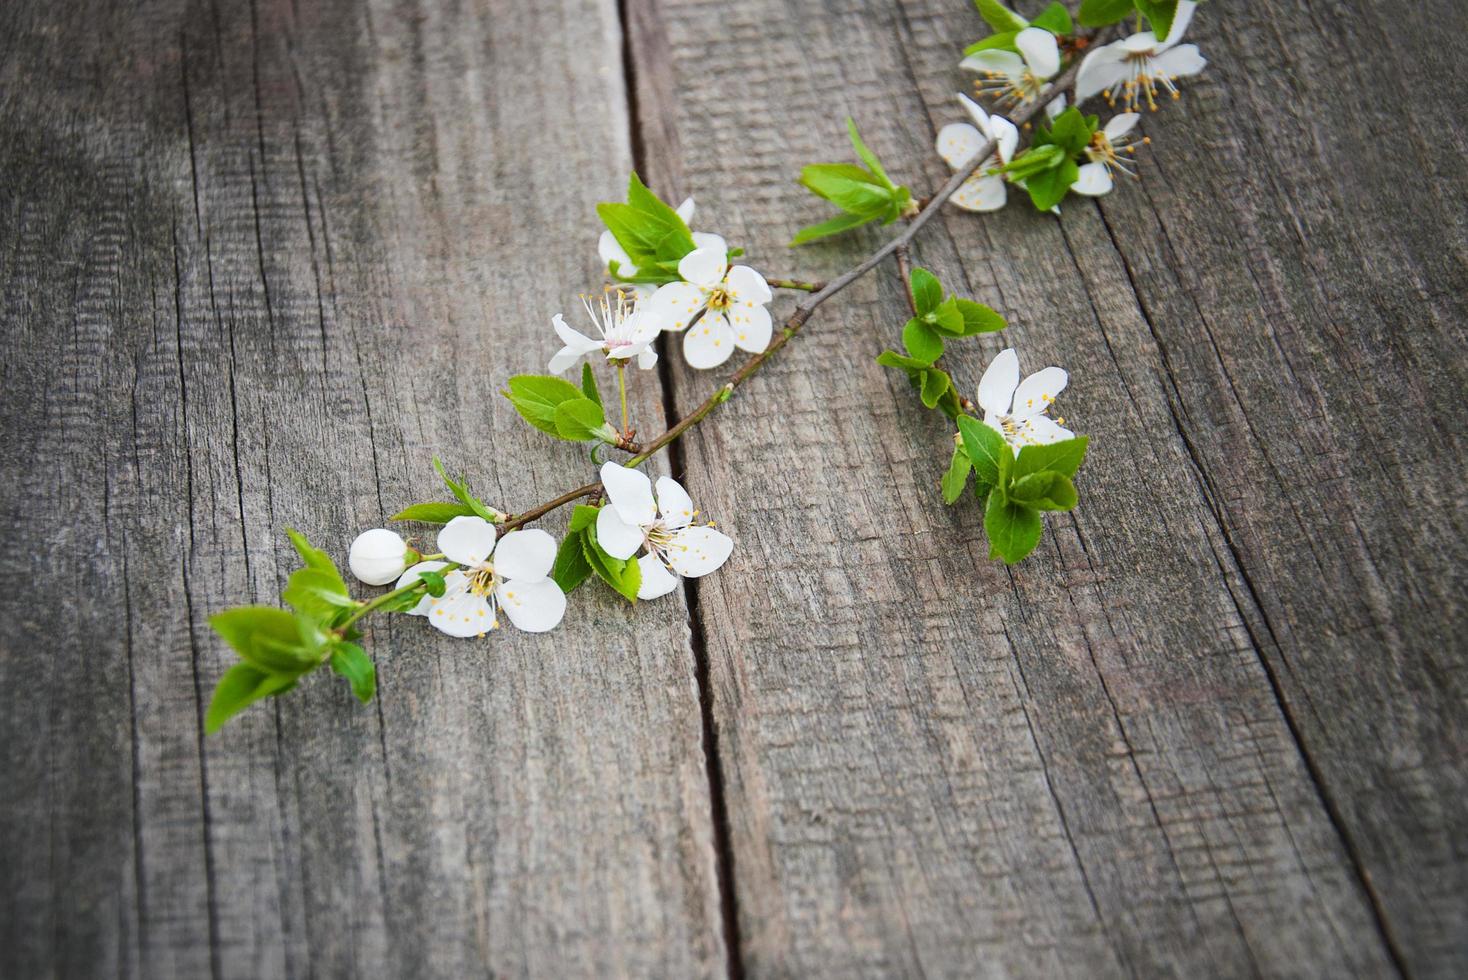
(922, 342)
(986, 448)
(1003, 41)
(571, 567)
(318, 593)
(588, 384)
(978, 318)
(867, 156)
(1000, 17)
(956, 478)
(892, 359)
(1049, 187)
(835, 226)
(582, 420)
(1047, 491)
(849, 187)
(927, 291)
(312, 556)
(1062, 457)
(241, 686)
(1013, 529)
(1071, 131)
(434, 582)
(266, 637)
(623, 576)
(536, 396)
(1055, 19)
(583, 517)
(436, 513)
(935, 384)
(1159, 14)
(352, 662)
(1099, 13)
(461, 490)
(948, 319)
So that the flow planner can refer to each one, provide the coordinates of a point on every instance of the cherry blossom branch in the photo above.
(819, 293)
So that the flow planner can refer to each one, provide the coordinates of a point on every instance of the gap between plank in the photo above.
(713, 765)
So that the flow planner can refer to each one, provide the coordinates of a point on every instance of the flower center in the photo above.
(1144, 84)
(1104, 150)
(720, 298)
(1009, 90)
(482, 581)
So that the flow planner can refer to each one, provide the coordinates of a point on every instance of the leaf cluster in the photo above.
(580, 556)
(1007, 24)
(923, 338)
(277, 647)
(652, 234)
(556, 406)
(864, 194)
(1051, 163)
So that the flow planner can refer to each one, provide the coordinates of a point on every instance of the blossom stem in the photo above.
(622, 391)
(800, 284)
(807, 306)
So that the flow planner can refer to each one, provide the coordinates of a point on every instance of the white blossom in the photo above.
(625, 333)
(1105, 155)
(632, 520)
(378, 556)
(510, 576)
(1015, 80)
(959, 142)
(731, 301)
(1016, 409)
(1140, 67)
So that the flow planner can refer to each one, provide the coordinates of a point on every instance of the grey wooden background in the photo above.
(260, 261)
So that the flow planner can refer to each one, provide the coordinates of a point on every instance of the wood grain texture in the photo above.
(1215, 725)
(261, 262)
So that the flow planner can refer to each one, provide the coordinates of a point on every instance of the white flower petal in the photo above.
(611, 251)
(709, 342)
(376, 556)
(1094, 180)
(1180, 21)
(1120, 124)
(563, 359)
(1179, 62)
(1042, 430)
(460, 612)
(630, 492)
(696, 551)
(674, 504)
(977, 114)
(534, 607)
(1006, 63)
(1055, 107)
(1104, 68)
(752, 327)
(685, 210)
(958, 143)
(981, 193)
(572, 337)
(1036, 392)
(656, 579)
(673, 305)
(525, 555)
(996, 387)
(616, 537)
(646, 358)
(1040, 51)
(1142, 42)
(1006, 136)
(748, 285)
(704, 266)
(704, 239)
(467, 540)
(411, 576)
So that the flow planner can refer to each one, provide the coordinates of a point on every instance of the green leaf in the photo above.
(623, 576)
(892, 359)
(536, 397)
(1003, 41)
(1159, 14)
(437, 513)
(1013, 529)
(927, 291)
(922, 342)
(583, 517)
(935, 384)
(838, 224)
(1072, 131)
(312, 556)
(647, 229)
(588, 384)
(948, 318)
(434, 582)
(317, 593)
(461, 490)
(265, 637)
(582, 420)
(571, 567)
(1055, 19)
(867, 156)
(1047, 491)
(849, 187)
(1048, 188)
(1099, 13)
(241, 686)
(1057, 457)
(352, 662)
(1000, 17)
(956, 478)
(978, 318)
(986, 448)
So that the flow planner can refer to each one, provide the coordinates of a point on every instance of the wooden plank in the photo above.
(261, 262)
(1095, 763)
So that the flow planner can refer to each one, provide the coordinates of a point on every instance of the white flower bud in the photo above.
(378, 556)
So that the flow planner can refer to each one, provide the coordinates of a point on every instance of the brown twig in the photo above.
(904, 274)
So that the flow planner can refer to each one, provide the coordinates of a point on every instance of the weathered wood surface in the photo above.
(261, 261)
